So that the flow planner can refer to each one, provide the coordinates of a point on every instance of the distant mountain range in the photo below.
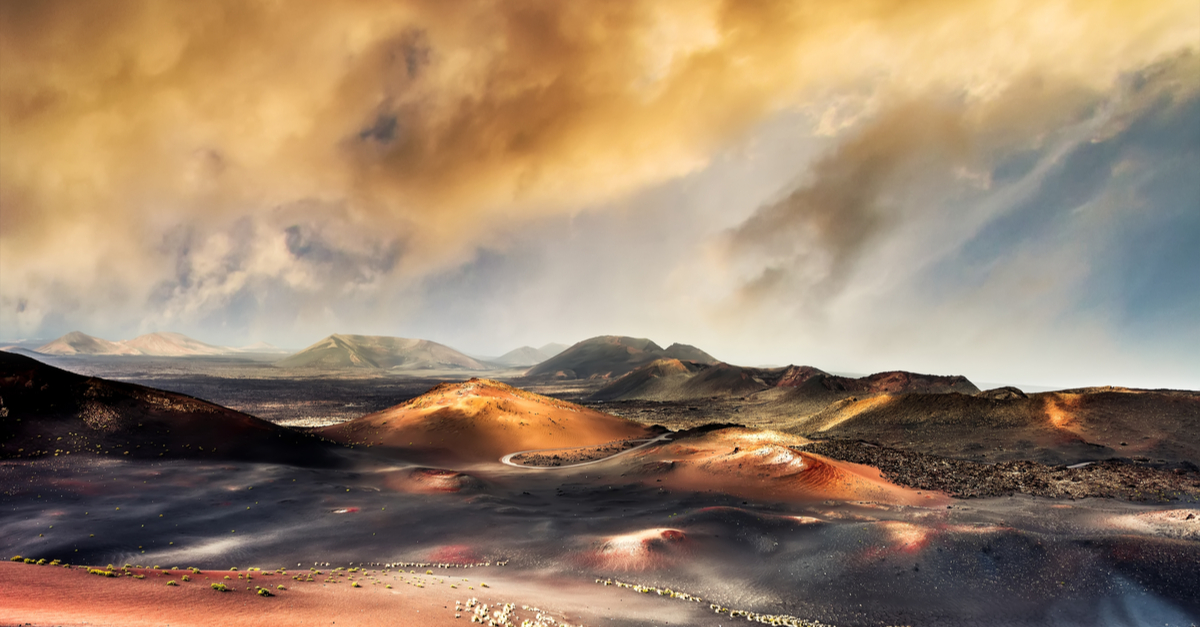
(611, 356)
(677, 379)
(162, 344)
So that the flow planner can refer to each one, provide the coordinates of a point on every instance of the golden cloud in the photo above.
(120, 120)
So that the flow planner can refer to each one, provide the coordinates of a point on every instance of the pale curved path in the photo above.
(507, 459)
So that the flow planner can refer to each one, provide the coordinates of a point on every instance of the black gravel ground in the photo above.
(1112, 478)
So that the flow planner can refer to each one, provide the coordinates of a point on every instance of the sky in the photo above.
(1008, 190)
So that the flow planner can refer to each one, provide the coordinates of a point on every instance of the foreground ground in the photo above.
(772, 525)
(1003, 561)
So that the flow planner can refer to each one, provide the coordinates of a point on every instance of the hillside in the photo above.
(611, 356)
(374, 351)
(482, 420)
(47, 412)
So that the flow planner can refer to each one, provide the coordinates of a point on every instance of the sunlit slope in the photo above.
(753, 463)
(482, 420)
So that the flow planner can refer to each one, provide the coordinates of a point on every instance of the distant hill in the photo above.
(523, 356)
(375, 351)
(173, 345)
(48, 411)
(552, 349)
(77, 343)
(611, 356)
(896, 381)
(158, 344)
(262, 348)
(482, 420)
(678, 380)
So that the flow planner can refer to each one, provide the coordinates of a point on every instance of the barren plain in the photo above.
(719, 522)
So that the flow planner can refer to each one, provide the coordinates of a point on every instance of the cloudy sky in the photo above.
(1008, 190)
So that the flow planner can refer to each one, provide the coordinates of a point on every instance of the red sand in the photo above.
(758, 464)
(483, 420)
(52, 595)
(640, 550)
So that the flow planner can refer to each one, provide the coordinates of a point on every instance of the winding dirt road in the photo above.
(507, 459)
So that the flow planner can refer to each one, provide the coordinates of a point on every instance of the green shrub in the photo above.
(16, 558)
(172, 583)
(220, 587)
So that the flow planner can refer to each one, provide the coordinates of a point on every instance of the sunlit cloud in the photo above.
(255, 169)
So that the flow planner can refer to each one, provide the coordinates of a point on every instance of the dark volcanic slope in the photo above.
(45, 411)
(611, 356)
(1052, 427)
(678, 380)
(964, 479)
(376, 351)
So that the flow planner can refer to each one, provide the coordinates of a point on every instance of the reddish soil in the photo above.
(764, 465)
(53, 595)
(481, 421)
